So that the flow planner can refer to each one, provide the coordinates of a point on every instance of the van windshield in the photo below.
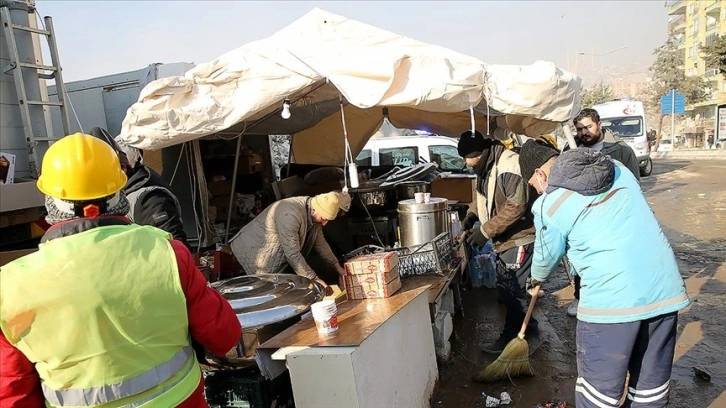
(630, 126)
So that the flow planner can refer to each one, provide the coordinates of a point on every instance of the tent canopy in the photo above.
(323, 58)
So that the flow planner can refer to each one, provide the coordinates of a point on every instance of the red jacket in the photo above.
(212, 322)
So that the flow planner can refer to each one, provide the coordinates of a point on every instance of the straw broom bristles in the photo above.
(514, 360)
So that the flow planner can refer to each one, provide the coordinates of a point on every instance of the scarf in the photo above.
(62, 210)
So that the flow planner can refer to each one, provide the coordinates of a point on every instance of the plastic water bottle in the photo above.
(482, 266)
(490, 269)
(476, 271)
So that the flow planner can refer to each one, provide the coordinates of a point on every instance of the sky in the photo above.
(97, 38)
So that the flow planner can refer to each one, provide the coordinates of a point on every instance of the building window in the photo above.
(692, 9)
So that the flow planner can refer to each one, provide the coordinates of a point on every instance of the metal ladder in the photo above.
(28, 74)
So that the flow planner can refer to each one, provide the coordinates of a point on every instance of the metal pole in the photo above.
(234, 188)
(673, 114)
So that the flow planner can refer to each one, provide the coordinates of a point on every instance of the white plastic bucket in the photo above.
(325, 314)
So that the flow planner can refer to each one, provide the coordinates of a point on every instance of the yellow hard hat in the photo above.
(80, 167)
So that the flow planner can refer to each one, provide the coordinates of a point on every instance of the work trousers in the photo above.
(607, 352)
(513, 269)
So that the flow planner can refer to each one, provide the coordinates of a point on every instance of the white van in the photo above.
(406, 151)
(625, 118)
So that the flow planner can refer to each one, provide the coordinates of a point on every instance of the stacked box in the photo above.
(372, 276)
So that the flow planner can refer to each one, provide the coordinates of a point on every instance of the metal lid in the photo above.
(370, 187)
(410, 173)
(434, 204)
(264, 299)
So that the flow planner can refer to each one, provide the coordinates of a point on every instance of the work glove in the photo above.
(468, 222)
(477, 238)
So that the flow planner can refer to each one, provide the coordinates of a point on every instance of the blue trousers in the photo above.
(607, 352)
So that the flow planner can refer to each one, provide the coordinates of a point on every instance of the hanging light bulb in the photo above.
(285, 109)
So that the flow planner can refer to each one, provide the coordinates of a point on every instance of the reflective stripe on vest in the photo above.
(79, 397)
(634, 310)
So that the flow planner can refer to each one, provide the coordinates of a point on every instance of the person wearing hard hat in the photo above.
(103, 312)
(284, 233)
(151, 201)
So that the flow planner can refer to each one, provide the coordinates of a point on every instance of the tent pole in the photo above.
(289, 157)
(234, 188)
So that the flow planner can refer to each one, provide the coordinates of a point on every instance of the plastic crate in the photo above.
(433, 257)
(245, 388)
(365, 250)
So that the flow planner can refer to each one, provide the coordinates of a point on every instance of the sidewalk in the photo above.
(691, 154)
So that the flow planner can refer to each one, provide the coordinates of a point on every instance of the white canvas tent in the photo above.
(322, 57)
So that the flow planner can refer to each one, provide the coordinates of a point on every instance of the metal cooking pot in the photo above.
(420, 223)
(406, 190)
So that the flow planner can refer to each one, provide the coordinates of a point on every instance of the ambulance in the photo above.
(625, 118)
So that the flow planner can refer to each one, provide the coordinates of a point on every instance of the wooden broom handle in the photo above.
(530, 309)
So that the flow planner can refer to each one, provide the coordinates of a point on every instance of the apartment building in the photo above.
(693, 23)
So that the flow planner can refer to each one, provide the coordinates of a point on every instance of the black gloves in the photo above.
(477, 238)
(468, 222)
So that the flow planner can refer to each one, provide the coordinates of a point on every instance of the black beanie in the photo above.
(472, 146)
(532, 156)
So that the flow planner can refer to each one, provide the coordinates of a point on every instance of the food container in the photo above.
(406, 190)
(372, 285)
(421, 223)
(372, 263)
(325, 314)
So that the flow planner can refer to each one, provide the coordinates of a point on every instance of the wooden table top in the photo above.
(357, 319)
(436, 283)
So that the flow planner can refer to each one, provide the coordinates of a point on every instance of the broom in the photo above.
(514, 360)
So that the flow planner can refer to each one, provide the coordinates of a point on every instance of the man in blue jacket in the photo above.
(631, 287)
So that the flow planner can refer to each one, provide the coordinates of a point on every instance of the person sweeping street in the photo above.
(104, 312)
(631, 287)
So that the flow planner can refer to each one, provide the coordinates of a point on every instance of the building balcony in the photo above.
(676, 7)
(712, 28)
(677, 25)
(714, 9)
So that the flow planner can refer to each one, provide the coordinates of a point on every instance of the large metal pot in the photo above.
(420, 223)
(406, 190)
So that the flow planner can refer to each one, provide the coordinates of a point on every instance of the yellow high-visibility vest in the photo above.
(102, 314)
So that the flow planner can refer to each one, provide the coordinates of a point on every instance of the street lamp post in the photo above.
(602, 60)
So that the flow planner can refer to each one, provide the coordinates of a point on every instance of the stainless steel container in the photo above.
(420, 223)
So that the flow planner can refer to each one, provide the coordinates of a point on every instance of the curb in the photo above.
(719, 154)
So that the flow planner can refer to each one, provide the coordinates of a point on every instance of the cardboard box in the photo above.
(372, 263)
(220, 188)
(18, 217)
(221, 204)
(23, 193)
(372, 285)
(250, 164)
(461, 188)
(7, 168)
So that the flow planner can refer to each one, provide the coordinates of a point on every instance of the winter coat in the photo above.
(152, 202)
(281, 235)
(624, 154)
(505, 218)
(212, 322)
(627, 268)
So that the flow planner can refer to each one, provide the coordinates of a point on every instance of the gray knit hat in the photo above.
(532, 156)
